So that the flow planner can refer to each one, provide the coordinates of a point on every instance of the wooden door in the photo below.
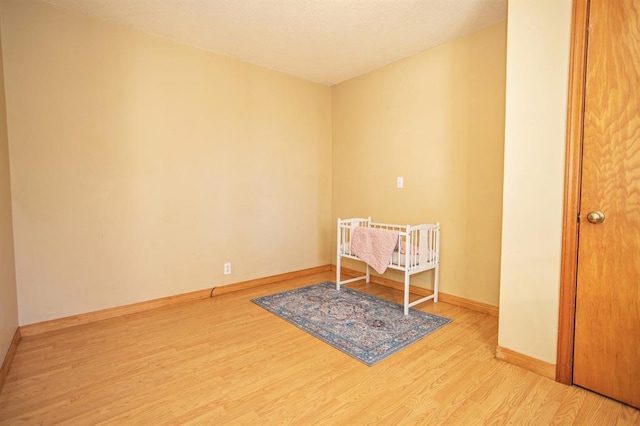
(607, 318)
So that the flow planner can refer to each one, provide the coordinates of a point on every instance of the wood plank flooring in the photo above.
(225, 360)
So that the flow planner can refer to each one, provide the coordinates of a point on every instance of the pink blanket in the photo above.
(374, 246)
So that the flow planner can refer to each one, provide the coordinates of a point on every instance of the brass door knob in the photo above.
(595, 217)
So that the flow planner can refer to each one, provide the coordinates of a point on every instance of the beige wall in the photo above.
(437, 119)
(140, 166)
(537, 76)
(8, 296)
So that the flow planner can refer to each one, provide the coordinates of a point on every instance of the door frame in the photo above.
(572, 187)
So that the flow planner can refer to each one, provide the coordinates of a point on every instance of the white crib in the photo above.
(420, 252)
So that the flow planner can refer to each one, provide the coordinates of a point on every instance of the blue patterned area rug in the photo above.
(363, 326)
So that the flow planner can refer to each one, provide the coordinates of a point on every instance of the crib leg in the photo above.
(338, 272)
(435, 283)
(368, 275)
(406, 292)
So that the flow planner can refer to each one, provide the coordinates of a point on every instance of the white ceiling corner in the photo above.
(326, 41)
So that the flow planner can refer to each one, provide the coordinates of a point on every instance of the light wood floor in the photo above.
(225, 360)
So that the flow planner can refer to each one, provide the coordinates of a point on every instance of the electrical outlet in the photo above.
(227, 268)
(400, 182)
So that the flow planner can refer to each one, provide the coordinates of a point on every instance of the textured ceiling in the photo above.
(326, 41)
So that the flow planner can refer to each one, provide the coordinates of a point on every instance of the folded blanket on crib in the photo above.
(374, 246)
